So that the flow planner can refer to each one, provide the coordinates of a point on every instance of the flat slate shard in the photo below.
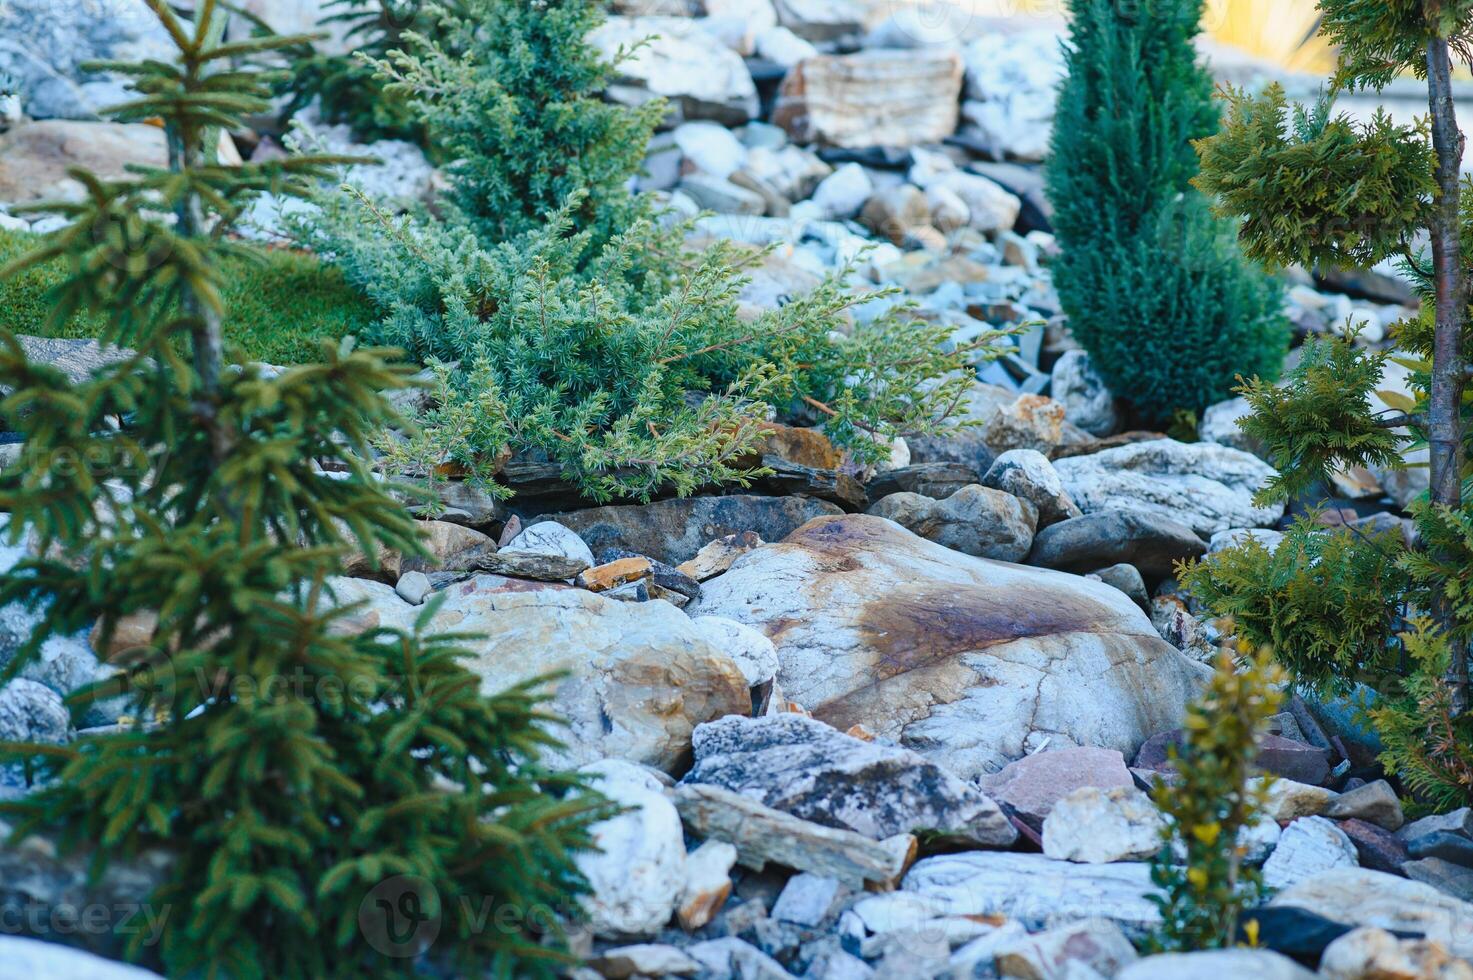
(804, 767)
(539, 568)
(765, 836)
(1037, 891)
(77, 359)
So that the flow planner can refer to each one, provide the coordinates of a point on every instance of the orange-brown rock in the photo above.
(611, 575)
(806, 447)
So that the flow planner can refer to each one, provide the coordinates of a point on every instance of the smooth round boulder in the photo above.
(1150, 542)
(961, 659)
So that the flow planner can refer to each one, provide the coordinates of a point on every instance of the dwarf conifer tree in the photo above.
(291, 760)
(347, 87)
(512, 92)
(1153, 285)
(1317, 187)
(580, 323)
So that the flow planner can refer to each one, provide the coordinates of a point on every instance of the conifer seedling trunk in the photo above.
(1445, 438)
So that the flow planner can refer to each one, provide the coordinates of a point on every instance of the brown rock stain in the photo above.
(920, 625)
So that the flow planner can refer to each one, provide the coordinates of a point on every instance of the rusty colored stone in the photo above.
(611, 575)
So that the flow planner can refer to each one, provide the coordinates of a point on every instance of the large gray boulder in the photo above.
(806, 768)
(961, 659)
(1203, 485)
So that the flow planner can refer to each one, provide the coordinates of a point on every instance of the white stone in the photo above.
(1235, 536)
(944, 24)
(1088, 402)
(413, 587)
(738, 23)
(752, 651)
(1368, 953)
(791, 170)
(38, 960)
(843, 193)
(821, 20)
(1362, 897)
(1012, 84)
(1216, 964)
(926, 165)
(703, 78)
(737, 959)
(722, 196)
(1308, 847)
(1027, 474)
(639, 676)
(712, 148)
(645, 960)
(1036, 890)
(876, 626)
(1095, 944)
(1219, 424)
(948, 211)
(638, 872)
(707, 882)
(1205, 486)
(990, 208)
(1095, 825)
(1290, 800)
(783, 47)
(978, 957)
(550, 538)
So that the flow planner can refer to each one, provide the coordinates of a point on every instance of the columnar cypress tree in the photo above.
(291, 764)
(1152, 283)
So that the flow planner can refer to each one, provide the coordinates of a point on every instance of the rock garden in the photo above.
(755, 489)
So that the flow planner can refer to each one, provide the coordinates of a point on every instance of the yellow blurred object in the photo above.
(1282, 31)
